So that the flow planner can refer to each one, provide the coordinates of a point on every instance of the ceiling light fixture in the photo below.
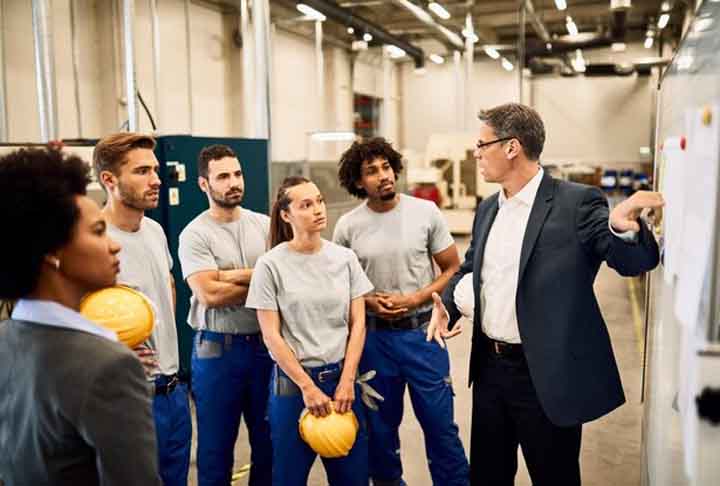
(663, 21)
(439, 10)
(507, 65)
(310, 12)
(367, 37)
(561, 4)
(571, 26)
(491, 51)
(437, 59)
(649, 42)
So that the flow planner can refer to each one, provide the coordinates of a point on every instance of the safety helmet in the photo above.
(330, 436)
(123, 310)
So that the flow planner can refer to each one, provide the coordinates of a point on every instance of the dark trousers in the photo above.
(406, 360)
(231, 376)
(506, 413)
(292, 457)
(173, 431)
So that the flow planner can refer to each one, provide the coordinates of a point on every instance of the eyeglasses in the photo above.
(481, 146)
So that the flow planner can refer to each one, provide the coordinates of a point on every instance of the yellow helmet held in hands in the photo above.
(330, 436)
(123, 310)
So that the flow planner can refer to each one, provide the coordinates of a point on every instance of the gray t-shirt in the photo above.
(395, 248)
(206, 244)
(145, 264)
(312, 293)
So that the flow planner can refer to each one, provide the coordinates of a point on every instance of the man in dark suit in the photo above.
(541, 362)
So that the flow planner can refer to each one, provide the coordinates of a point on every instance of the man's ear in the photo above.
(108, 179)
(513, 149)
(203, 184)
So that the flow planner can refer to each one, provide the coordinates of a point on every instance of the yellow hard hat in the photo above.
(329, 436)
(123, 310)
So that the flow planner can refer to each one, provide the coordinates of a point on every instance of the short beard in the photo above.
(388, 197)
(133, 200)
(220, 200)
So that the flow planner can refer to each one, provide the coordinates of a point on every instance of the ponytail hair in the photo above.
(281, 231)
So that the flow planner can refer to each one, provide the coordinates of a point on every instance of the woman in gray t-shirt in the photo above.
(308, 293)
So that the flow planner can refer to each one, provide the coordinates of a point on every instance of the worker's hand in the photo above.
(624, 216)
(316, 401)
(147, 359)
(344, 396)
(378, 307)
(439, 320)
(406, 302)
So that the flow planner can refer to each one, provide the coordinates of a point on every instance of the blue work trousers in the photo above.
(405, 357)
(293, 458)
(173, 430)
(230, 380)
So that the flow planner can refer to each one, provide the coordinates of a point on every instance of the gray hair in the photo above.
(520, 122)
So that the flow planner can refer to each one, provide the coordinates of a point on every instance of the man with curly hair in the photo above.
(399, 239)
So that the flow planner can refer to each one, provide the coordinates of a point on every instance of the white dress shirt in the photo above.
(53, 314)
(501, 262)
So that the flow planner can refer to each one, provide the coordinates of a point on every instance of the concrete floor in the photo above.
(611, 445)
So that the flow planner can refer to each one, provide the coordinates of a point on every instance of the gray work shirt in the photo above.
(312, 293)
(145, 265)
(395, 248)
(206, 244)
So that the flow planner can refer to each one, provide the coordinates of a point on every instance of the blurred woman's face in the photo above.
(307, 212)
(90, 259)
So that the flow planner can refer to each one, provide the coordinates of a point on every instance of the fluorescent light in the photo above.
(310, 12)
(417, 11)
(507, 65)
(333, 136)
(394, 51)
(470, 35)
(663, 21)
(571, 27)
(452, 36)
(350, 30)
(649, 42)
(437, 59)
(665, 6)
(439, 10)
(367, 37)
(618, 47)
(491, 51)
(561, 4)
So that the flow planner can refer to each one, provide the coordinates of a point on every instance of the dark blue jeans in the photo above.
(173, 430)
(293, 458)
(230, 378)
(400, 358)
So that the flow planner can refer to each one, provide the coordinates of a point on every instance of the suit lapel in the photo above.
(538, 214)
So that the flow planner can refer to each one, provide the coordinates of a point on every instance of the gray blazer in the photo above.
(74, 410)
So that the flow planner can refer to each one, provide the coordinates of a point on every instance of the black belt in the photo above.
(414, 321)
(500, 349)
(164, 385)
(284, 386)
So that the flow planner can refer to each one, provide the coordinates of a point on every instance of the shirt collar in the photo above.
(527, 194)
(53, 314)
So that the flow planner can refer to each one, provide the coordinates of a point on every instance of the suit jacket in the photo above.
(74, 410)
(564, 337)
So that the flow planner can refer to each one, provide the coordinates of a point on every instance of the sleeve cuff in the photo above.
(627, 236)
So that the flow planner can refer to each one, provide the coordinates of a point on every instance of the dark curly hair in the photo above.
(350, 165)
(210, 153)
(37, 200)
